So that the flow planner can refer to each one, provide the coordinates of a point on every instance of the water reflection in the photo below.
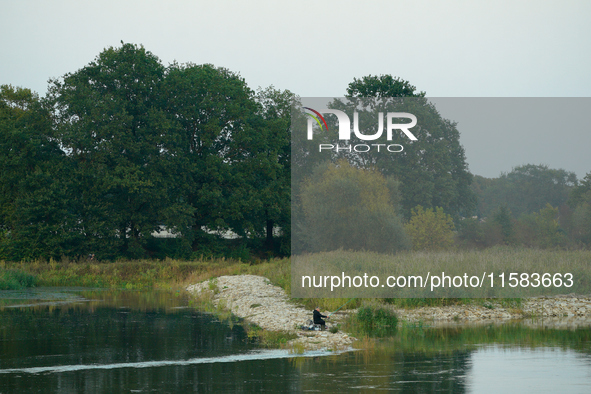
(112, 327)
(541, 370)
(120, 341)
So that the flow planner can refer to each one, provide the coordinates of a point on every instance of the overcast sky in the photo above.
(315, 48)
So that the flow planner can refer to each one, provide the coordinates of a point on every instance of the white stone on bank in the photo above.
(255, 299)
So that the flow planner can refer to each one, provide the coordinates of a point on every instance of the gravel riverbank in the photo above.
(561, 312)
(255, 299)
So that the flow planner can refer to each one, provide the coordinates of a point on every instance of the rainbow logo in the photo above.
(316, 119)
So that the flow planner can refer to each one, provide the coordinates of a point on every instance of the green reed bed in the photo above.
(12, 279)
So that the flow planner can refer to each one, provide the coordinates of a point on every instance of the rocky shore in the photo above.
(565, 311)
(256, 300)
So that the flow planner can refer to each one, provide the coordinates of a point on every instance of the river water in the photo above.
(80, 340)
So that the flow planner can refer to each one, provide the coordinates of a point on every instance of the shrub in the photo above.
(430, 229)
(373, 321)
(350, 208)
(542, 229)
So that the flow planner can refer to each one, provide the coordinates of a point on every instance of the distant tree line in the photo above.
(126, 147)
(533, 206)
(350, 207)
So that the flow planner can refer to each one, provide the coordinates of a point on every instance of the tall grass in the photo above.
(146, 274)
(177, 274)
(495, 260)
(11, 279)
(372, 321)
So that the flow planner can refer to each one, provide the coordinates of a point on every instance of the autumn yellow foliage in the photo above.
(430, 229)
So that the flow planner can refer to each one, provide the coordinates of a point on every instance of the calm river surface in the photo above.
(80, 340)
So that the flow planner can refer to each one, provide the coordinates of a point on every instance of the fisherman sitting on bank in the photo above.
(318, 318)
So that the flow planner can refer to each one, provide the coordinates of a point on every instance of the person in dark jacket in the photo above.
(318, 318)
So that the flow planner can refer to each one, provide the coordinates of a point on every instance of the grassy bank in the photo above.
(145, 274)
(422, 272)
(375, 316)
(177, 274)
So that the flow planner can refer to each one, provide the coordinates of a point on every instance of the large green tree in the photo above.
(580, 201)
(128, 166)
(35, 217)
(432, 169)
(236, 147)
(125, 147)
(274, 183)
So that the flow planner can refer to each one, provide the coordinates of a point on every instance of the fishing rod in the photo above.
(340, 307)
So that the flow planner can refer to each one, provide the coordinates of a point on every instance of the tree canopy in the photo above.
(350, 208)
(525, 189)
(125, 147)
(432, 170)
(580, 201)
(112, 123)
(382, 86)
(430, 229)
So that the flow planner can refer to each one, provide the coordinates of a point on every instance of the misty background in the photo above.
(447, 49)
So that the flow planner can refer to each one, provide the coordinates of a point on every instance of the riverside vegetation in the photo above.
(177, 274)
(373, 317)
(111, 159)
